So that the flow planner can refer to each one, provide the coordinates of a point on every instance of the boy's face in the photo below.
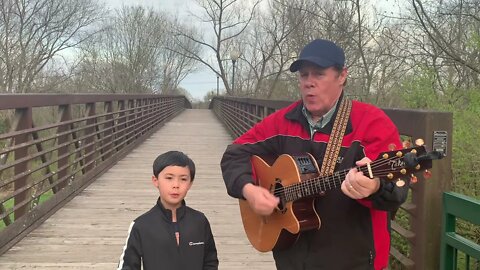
(173, 183)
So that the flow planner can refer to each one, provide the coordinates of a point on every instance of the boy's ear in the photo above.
(154, 181)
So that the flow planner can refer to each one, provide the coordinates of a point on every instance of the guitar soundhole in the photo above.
(278, 191)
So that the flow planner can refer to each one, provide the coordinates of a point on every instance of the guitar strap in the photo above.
(336, 137)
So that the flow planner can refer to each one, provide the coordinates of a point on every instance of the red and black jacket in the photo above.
(355, 234)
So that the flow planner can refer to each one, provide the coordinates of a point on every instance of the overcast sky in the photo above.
(198, 83)
(204, 80)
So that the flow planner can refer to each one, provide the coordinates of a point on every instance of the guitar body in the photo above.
(297, 182)
(280, 229)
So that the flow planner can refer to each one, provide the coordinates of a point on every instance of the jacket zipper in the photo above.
(312, 131)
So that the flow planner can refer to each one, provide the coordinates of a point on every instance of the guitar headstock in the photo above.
(396, 164)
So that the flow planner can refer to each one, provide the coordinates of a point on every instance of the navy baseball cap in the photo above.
(321, 52)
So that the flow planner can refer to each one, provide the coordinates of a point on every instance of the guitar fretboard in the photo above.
(312, 187)
(316, 186)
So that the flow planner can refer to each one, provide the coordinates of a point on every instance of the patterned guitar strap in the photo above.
(336, 137)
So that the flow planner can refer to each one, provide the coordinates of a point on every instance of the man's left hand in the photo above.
(357, 185)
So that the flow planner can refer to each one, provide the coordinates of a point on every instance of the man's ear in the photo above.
(343, 75)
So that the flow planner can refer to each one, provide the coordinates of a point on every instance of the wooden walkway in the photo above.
(89, 232)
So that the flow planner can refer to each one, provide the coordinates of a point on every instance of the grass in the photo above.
(9, 205)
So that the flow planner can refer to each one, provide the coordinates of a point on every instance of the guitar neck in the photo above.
(388, 166)
(312, 187)
(316, 186)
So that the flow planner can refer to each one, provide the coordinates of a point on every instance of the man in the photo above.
(355, 228)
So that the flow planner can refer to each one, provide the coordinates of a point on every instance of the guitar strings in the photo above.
(296, 190)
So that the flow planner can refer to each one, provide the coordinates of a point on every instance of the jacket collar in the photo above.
(167, 213)
(297, 115)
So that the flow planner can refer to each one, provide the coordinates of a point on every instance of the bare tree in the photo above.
(266, 51)
(176, 66)
(133, 55)
(279, 33)
(228, 19)
(33, 32)
(127, 52)
(287, 28)
(461, 12)
(438, 40)
(451, 29)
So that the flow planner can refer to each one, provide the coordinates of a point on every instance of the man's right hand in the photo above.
(260, 199)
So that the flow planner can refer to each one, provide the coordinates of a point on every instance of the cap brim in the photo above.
(324, 63)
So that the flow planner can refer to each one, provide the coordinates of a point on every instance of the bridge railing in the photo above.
(459, 252)
(417, 227)
(58, 144)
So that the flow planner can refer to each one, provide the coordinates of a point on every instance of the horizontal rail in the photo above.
(58, 144)
(9, 101)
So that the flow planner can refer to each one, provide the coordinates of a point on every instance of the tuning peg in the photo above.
(413, 179)
(400, 183)
(419, 142)
(392, 147)
(427, 174)
(406, 144)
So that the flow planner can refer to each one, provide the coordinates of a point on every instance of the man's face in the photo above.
(320, 87)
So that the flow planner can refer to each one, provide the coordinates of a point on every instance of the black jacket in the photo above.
(151, 241)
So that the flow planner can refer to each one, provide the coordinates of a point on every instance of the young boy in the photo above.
(170, 235)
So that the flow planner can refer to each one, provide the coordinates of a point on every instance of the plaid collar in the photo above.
(323, 121)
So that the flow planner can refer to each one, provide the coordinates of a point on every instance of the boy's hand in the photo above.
(260, 199)
(357, 185)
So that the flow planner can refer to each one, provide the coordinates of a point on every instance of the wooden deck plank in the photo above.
(89, 232)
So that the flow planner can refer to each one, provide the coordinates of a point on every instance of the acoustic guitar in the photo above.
(295, 180)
